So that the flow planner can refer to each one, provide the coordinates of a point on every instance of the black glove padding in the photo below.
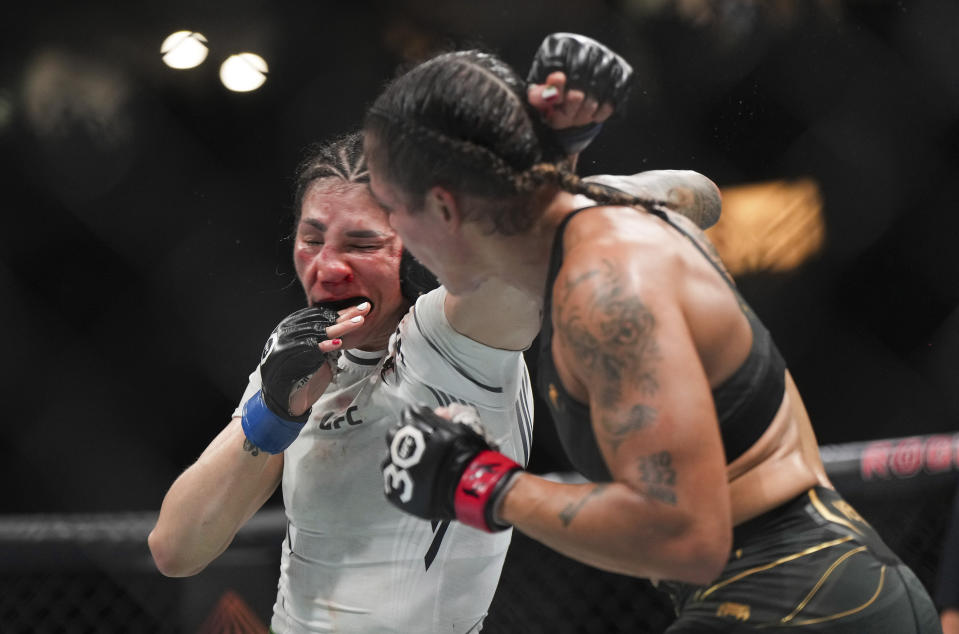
(589, 66)
(438, 469)
(291, 355)
(426, 457)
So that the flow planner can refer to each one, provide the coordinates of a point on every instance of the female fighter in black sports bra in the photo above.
(668, 392)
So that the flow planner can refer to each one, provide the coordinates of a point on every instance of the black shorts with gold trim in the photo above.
(813, 565)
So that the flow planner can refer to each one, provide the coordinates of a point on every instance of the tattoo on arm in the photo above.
(250, 447)
(611, 332)
(567, 514)
(639, 417)
(657, 473)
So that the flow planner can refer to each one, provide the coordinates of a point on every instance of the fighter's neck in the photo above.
(526, 256)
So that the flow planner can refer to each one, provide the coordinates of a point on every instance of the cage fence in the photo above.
(93, 573)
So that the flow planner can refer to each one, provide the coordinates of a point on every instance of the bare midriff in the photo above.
(782, 464)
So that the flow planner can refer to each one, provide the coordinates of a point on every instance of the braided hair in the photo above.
(341, 159)
(461, 120)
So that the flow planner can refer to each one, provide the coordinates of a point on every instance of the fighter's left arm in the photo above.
(623, 338)
(577, 83)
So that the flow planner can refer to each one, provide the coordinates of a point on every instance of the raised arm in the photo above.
(684, 191)
(239, 471)
(577, 83)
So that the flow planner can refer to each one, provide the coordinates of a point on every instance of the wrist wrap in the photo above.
(482, 482)
(265, 429)
(575, 140)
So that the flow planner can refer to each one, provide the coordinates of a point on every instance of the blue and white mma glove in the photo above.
(590, 67)
(439, 469)
(291, 356)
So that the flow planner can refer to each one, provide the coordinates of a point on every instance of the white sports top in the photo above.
(351, 561)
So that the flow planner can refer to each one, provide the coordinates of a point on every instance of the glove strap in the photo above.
(482, 482)
(575, 140)
(265, 429)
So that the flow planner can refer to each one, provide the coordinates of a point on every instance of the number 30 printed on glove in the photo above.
(438, 469)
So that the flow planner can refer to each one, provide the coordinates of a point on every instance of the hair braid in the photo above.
(341, 159)
(472, 154)
(562, 175)
(462, 121)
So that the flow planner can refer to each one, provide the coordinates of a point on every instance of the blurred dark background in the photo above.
(144, 252)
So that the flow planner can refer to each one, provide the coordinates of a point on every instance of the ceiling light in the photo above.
(184, 49)
(243, 72)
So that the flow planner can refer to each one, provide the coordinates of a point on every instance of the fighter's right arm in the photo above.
(242, 467)
(211, 500)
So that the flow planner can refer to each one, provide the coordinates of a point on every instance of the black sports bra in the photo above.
(746, 402)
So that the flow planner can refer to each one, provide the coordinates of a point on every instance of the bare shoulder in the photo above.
(618, 265)
(611, 303)
(647, 242)
(638, 244)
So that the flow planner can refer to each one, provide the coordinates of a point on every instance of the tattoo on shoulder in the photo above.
(702, 205)
(611, 331)
(573, 283)
(567, 514)
(617, 428)
(250, 447)
(657, 473)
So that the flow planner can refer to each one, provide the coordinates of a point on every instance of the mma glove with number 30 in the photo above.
(291, 356)
(590, 67)
(439, 469)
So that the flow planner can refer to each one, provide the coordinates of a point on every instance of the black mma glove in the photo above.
(438, 469)
(291, 356)
(589, 66)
